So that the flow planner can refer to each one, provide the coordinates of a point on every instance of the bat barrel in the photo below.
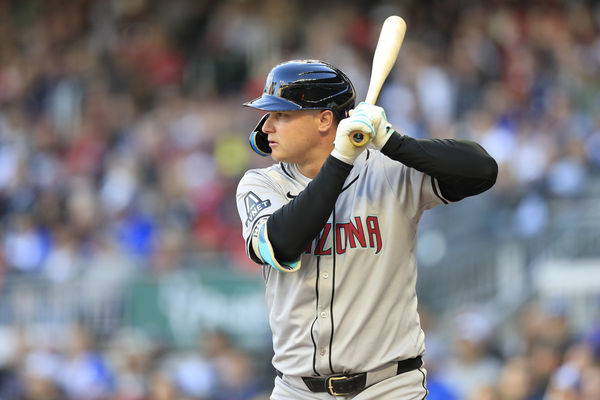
(386, 52)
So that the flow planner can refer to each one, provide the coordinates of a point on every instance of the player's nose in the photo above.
(269, 127)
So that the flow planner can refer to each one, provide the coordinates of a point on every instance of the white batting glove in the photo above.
(344, 150)
(376, 116)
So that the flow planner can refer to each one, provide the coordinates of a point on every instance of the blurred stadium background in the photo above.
(122, 138)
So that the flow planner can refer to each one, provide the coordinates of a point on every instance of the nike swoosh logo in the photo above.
(290, 196)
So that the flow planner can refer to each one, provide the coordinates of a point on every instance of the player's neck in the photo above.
(311, 167)
(308, 171)
(312, 162)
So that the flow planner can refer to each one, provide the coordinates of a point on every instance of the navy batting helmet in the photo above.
(301, 85)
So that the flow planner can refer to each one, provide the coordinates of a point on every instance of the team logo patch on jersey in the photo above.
(254, 205)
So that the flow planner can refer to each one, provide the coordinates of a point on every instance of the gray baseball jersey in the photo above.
(350, 303)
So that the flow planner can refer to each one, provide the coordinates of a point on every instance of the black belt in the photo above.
(340, 385)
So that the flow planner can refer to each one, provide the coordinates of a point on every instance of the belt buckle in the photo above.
(330, 385)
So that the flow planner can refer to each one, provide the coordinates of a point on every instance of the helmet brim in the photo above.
(268, 102)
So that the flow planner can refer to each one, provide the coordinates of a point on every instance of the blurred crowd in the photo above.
(129, 366)
(122, 138)
(540, 357)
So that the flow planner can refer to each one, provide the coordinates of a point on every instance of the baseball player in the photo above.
(334, 227)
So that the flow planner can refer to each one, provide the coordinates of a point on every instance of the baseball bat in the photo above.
(386, 52)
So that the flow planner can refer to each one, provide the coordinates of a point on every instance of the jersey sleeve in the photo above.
(257, 198)
(460, 168)
(415, 190)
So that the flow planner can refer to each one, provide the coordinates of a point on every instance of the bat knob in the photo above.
(359, 139)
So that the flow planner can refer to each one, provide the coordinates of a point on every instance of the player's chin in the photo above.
(278, 155)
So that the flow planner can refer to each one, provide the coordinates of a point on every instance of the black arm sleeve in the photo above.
(296, 224)
(462, 168)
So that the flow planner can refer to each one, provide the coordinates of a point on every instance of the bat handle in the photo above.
(359, 139)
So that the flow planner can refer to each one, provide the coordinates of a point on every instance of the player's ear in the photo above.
(326, 120)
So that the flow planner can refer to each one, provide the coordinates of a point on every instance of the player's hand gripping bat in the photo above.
(386, 52)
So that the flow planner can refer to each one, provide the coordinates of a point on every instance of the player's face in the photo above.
(293, 135)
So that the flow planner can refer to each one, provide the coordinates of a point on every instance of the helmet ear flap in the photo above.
(258, 139)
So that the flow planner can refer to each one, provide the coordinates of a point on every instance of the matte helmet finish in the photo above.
(302, 85)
